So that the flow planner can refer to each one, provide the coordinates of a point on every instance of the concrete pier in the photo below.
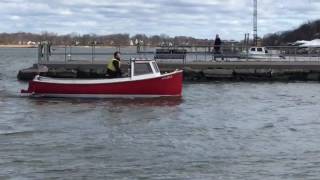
(193, 71)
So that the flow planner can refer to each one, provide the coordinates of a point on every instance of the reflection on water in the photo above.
(139, 102)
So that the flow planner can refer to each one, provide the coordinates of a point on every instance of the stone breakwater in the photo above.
(194, 71)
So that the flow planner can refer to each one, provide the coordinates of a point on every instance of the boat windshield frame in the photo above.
(154, 69)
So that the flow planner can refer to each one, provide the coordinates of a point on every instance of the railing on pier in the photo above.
(184, 54)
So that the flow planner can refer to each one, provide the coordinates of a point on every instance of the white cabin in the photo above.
(258, 51)
(143, 69)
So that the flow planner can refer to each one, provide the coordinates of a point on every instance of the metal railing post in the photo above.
(92, 52)
(70, 53)
(247, 54)
(205, 54)
(40, 52)
(65, 54)
(196, 51)
(45, 51)
(318, 54)
(310, 53)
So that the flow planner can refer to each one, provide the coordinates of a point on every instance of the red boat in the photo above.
(144, 80)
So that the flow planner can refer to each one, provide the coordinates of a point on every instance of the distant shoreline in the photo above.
(35, 46)
(17, 46)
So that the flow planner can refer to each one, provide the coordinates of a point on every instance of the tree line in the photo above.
(307, 31)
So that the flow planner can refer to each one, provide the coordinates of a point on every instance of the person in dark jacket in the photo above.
(217, 47)
(113, 69)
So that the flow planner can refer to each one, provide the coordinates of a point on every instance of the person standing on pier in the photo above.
(217, 47)
(113, 69)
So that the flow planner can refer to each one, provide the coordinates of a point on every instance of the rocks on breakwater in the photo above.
(252, 75)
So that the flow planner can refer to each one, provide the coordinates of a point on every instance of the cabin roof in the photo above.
(142, 60)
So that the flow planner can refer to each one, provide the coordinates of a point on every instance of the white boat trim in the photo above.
(101, 81)
(125, 96)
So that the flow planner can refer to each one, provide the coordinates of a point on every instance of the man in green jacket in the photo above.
(113, 69)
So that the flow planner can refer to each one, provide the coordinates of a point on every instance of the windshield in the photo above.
(142, 68)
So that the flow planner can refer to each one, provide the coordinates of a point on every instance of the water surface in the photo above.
(215, 131)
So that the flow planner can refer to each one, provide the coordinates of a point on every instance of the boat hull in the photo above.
(164, 85)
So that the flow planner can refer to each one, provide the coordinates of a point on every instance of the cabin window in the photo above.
(253, 49)
(155, 67)
(266, 51)
(259, 49)
(142, 68)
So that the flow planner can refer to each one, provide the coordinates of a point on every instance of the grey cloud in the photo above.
(230, 18)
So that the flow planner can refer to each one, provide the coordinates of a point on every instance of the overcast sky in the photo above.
(197, 18)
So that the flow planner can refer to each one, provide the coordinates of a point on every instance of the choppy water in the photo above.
(216, 131)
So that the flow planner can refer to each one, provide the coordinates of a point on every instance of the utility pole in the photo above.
(255, 22)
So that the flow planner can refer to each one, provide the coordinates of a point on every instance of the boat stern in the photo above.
(30, 89)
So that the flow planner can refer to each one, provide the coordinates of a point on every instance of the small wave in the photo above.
(268, 126)
(284, 96)
(312, 152)
(293, 129)
(8, 94)
(19, 133)
(66, 170)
